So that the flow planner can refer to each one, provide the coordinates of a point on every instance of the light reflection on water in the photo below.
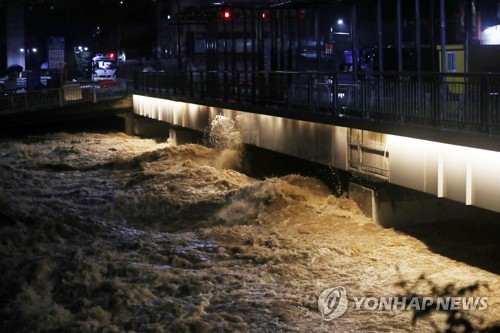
(146, 265)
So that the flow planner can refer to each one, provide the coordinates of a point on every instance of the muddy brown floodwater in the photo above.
(112, 233)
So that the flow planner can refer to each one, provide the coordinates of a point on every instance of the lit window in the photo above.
(452, 61)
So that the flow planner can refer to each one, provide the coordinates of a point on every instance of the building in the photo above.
(100, 26)
(324, 35)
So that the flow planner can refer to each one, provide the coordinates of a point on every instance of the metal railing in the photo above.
(69, 94)
(469, 102)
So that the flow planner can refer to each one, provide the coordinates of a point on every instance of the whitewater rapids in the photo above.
(112, 233)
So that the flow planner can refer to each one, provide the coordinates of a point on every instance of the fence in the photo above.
(69, 94)
(463, 101)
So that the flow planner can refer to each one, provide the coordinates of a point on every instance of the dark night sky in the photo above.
(132, 24)
(101, 25)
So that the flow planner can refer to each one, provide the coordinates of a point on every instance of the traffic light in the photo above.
(226, 14)
(302, 14)
(265, 15)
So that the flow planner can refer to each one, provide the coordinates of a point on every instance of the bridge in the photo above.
(420, 132)
(71, 101)
(437, 137)
(68, 94)
(418, 108)
(400, 95)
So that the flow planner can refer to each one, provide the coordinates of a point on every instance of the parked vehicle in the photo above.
(104, 67)
(18, 80)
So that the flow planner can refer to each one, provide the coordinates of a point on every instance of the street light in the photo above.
(27, 51)
(78, 49)
(33, 49)
(340, 28)
(83, 61)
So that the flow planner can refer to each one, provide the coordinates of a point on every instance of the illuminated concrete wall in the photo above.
(463, 174)
(320, 143)
(458, 173)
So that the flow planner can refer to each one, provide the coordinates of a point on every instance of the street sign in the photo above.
(56, 58)
(56, 51)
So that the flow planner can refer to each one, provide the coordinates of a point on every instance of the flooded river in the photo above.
(113, 233)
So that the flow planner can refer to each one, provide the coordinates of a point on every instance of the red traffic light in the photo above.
(265, 15)
(302, 14)
(226, 14)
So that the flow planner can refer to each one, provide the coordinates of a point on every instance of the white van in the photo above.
(103, 68)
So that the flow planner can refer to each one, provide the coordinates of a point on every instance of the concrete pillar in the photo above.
(394, 206)
(129, 124)
(179, 136)
(365, 198)
(15, 33)
(150, 128)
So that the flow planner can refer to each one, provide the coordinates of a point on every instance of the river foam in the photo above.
(106, 232)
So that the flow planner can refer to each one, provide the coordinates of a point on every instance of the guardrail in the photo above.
(469, 102)
(69, 94)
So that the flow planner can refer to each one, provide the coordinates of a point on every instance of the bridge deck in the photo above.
(65, 96)
(365, 125)
(453, 108)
